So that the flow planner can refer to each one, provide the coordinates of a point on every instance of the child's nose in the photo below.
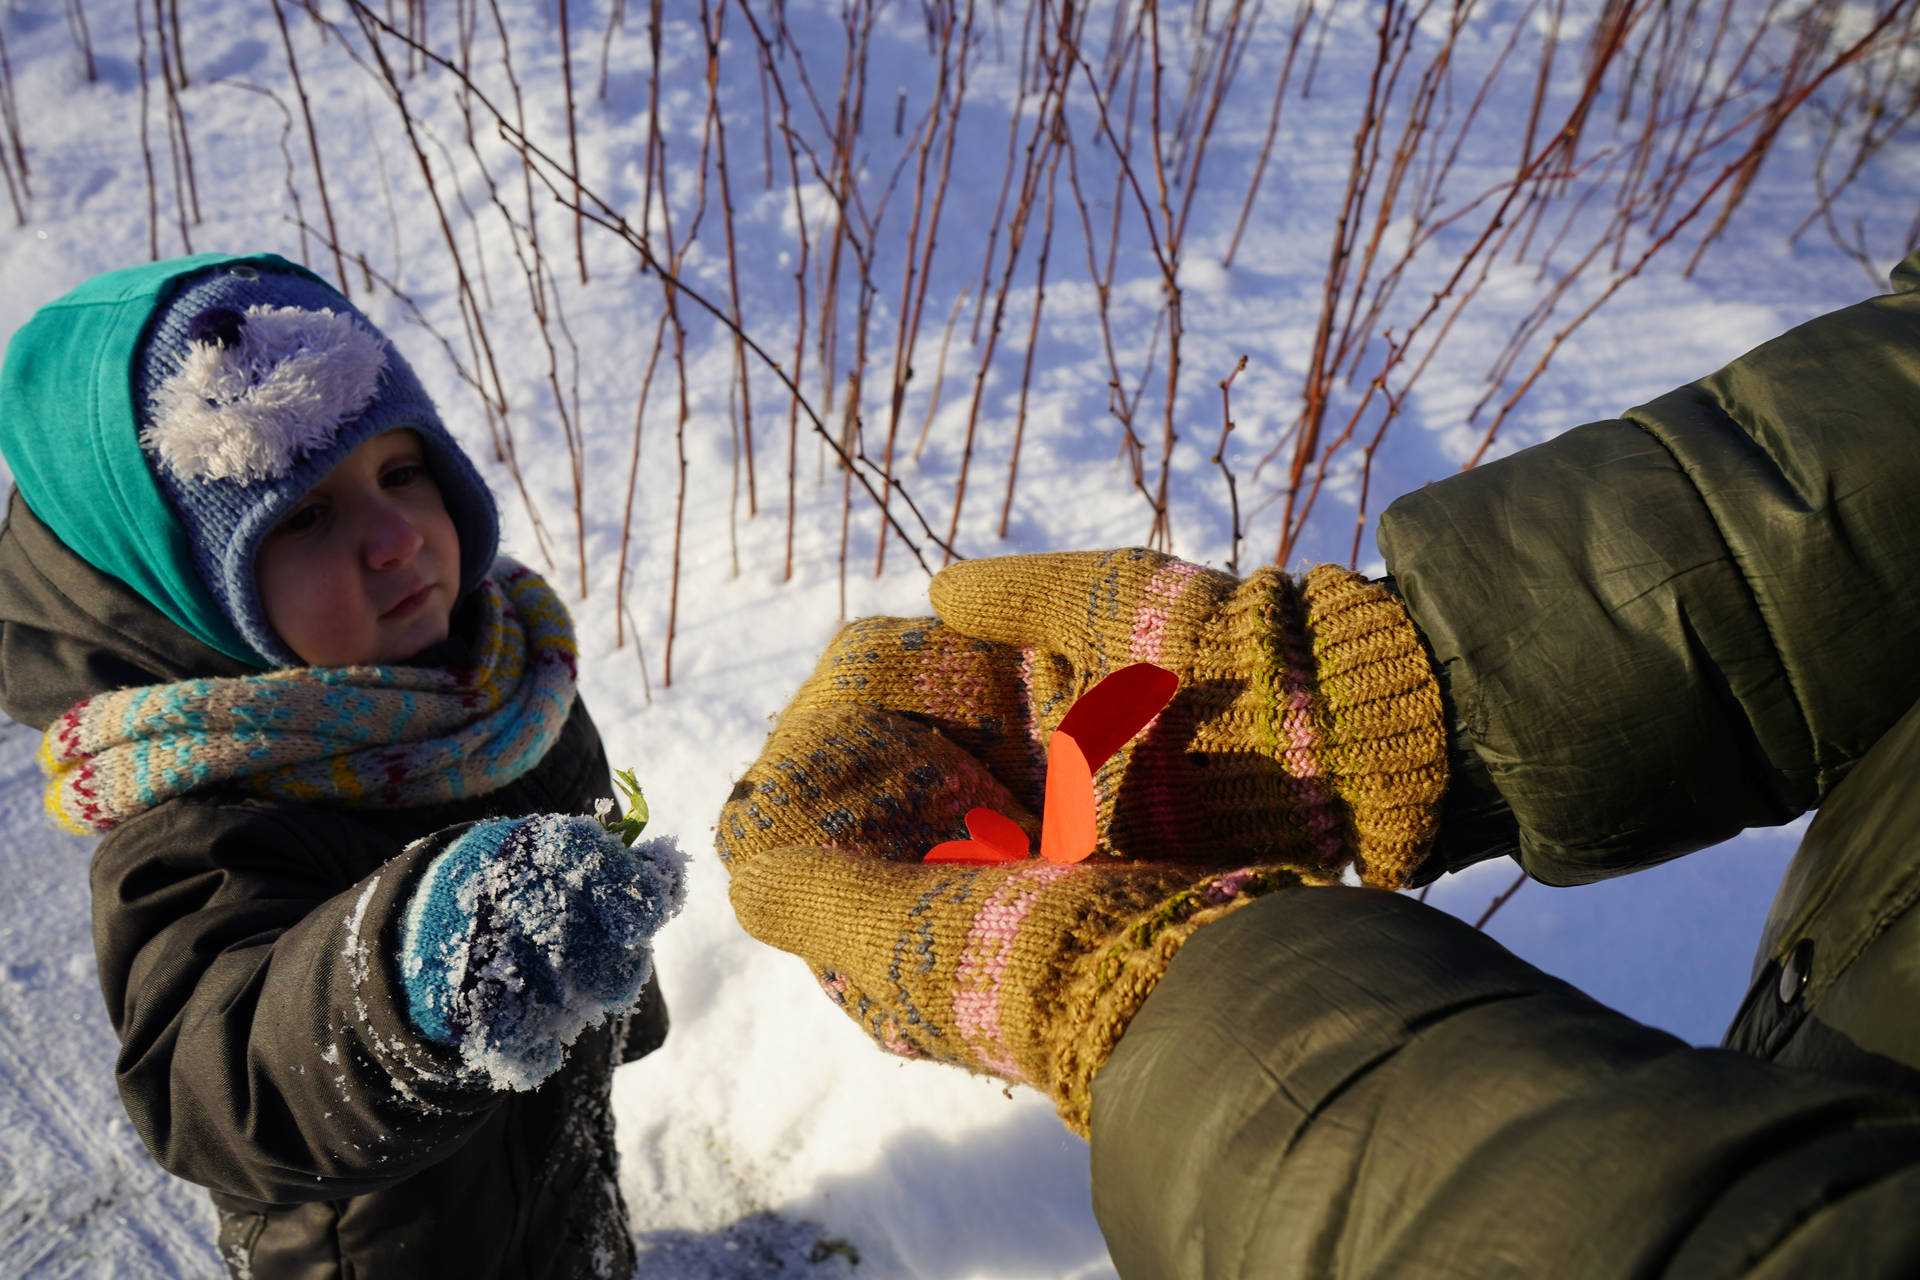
(391, 537)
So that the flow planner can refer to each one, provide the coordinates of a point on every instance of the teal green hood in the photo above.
(70, 433)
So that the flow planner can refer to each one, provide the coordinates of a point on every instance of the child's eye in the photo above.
(300, 520)
(403, 475)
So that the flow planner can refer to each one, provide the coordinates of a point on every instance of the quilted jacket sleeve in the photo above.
(1653, 632)
(1658, 630)
(265, 1051)
(1344, 1083)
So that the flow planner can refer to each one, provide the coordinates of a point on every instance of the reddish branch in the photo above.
(950, 90)
(313, 149)
(712, 25)
(573, 140)
(1220, 461)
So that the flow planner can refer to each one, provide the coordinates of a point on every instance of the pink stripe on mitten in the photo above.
(984, 957)
(1150, 616)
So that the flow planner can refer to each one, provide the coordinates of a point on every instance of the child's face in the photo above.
(366, 567)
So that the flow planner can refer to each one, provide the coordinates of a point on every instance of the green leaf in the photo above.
(635, 821)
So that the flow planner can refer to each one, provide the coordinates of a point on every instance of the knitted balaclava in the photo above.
(251, 384)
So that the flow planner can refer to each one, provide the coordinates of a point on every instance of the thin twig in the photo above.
(1500, 900)
(1220, 461)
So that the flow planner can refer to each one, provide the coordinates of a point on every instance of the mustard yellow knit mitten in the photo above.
(1029, 971)
(1307, 728)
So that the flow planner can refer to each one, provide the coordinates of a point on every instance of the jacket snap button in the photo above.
(1795, 972)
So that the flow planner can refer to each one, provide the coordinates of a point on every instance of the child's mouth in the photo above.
(409, 605)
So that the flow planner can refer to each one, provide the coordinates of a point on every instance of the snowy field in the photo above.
(768, 1137)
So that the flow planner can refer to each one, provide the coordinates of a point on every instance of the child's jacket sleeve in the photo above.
(265, 1048)
(1658, 630)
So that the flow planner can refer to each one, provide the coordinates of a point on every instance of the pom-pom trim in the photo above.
(249, 412)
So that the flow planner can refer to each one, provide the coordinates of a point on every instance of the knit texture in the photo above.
(862, 778)
(69, 428)
(377, 737)
(524, 932)
(250, 385)
(1385, 737)
(1307, 728)
(1027, 971)
(972, 690)
(973, 693)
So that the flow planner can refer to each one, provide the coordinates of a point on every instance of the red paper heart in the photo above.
(1095, 727)
(1098, 724)
(996, 838)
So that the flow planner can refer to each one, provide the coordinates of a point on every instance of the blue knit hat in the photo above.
(250, 385)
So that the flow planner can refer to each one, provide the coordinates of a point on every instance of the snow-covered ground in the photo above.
(768, 1137)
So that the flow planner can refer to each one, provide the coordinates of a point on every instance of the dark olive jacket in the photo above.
(1652, 633)
(246, 951)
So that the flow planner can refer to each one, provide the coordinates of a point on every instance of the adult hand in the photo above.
(1307, 727)
(1028, 971)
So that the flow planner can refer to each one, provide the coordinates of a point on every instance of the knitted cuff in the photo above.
(1379, 716)
(436, 942)
(1107, 985)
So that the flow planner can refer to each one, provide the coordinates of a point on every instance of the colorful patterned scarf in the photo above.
(371, 737)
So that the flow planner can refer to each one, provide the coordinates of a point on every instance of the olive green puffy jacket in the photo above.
(245, 949)
(1653, 632)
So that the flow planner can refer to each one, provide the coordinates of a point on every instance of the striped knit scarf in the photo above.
(369, 737)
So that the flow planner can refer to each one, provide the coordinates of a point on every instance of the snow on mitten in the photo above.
(1029, 971)
(1307, 728)
(525, 932)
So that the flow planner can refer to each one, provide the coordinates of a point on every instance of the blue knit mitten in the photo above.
(525, 932)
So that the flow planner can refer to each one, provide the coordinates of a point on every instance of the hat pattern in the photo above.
(257, 391)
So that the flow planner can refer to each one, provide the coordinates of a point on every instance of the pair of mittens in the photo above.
(1305, 737)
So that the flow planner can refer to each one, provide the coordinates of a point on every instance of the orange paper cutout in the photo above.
(1098, 724)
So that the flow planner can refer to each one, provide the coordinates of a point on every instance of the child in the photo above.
(248, 589)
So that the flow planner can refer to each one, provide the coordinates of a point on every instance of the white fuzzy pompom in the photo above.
(250, 411)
